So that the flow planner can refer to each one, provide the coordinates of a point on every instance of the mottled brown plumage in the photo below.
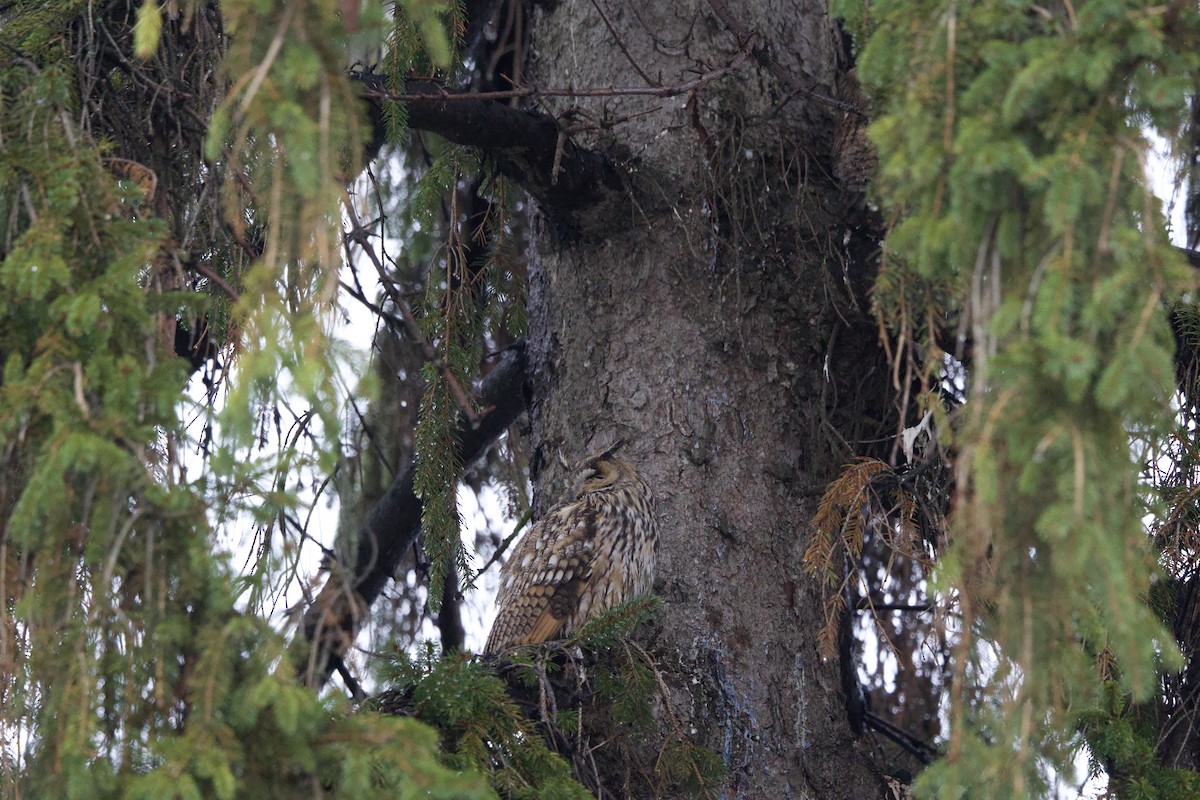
(590, 553)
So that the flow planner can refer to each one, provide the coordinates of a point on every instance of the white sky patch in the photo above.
(480, 513)
(1166, 181)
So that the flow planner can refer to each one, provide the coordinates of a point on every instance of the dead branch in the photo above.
(358, 235)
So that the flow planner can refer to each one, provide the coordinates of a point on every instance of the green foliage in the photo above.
(126, 668)
(692, 771)
(78, 410)
(615, 624)
(1122, 741)
(426, 36)
(471, 281)
(436, 483)
(505, 285)
(147, 29)
(292, 124)
(469, 276)
(423, 40)
(1011, 169)
(482, 728)
(626, 687)
(609, 707)
(451, 321)
(632, 706)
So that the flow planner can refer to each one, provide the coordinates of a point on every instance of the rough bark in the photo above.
(709, 329)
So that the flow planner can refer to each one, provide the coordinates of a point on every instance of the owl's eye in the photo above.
(598, 475)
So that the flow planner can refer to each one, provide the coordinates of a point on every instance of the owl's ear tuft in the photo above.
(611, 451)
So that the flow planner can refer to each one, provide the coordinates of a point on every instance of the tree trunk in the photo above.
(706, 320)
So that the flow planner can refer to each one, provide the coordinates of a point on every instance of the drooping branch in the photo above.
(357, 579)
(359, 236)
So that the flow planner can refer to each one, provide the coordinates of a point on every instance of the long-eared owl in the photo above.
(591, 552)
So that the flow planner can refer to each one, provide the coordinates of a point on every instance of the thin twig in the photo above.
(533, 91)
(621, 44)
(358, 235)
(521, 523)
(915, 745)
(865, 604)
(392, 321)
(196, 266)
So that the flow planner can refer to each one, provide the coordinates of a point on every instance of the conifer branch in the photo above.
(394, 522)
(358, 235)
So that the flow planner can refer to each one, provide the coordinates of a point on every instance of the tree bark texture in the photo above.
(707, 319)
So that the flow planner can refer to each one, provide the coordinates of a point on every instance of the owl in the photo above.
(591, 552)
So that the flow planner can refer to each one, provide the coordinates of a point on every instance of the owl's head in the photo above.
(604, 471)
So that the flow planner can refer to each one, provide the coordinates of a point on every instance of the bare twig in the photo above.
(358, 235)
(440, 93)
(521, 523)
(866, 604)
(217, 280)
(391, 320)
(621, 44)
(922, 750)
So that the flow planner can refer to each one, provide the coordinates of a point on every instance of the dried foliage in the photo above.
(869, 502)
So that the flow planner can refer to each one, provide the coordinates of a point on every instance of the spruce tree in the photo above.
(879, 297)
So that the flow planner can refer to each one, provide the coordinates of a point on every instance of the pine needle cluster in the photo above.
(481, 727)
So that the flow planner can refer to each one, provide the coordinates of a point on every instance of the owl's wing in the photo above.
(543, 580)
